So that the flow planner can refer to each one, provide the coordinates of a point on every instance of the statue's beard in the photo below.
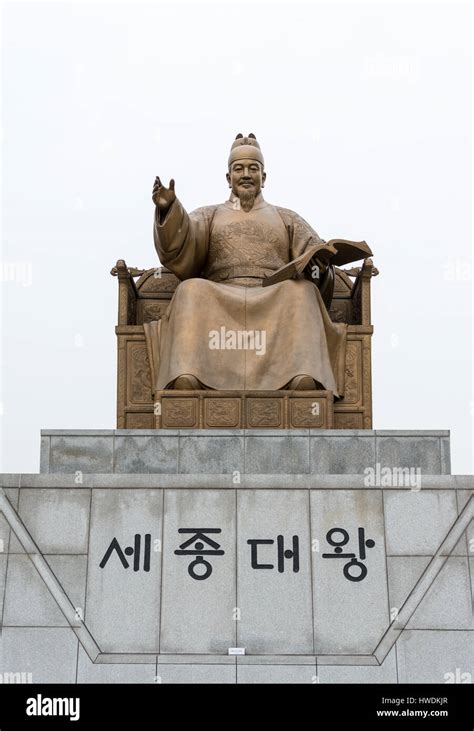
(247, 199)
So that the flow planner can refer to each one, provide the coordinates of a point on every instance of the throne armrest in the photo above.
(361, 292)
(128, 293)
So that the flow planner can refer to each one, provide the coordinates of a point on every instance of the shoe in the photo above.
(302, 383)
(187, 382)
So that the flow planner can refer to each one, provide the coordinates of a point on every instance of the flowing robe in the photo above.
(222, 253)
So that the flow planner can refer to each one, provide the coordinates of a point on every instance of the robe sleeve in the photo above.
(301, 234)
(182, 239)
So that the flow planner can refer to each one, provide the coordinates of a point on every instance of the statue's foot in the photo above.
(303, 383)
(187, 382)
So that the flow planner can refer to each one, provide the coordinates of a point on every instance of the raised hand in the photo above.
(163, 197)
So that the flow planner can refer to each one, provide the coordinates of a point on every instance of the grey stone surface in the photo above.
(215, 480)
(10, 479)
(267, 454)
(211, 454)
(89, 672)
(5, 532)
(275, 606)
(198, 614)
(49, 654)
(331, 451)
(417, 522)
(446, 605)
(197, 469)
(445, 455)
(215, 674)
(464, 482)
(435, 656)
(403, 574)
(403, 451)
(60, 480)
(57, 520)
(146, 454)
(471, 573)
(350, 617)
(385, 673)
(3, 574)
(342, 455)
(81, 453)
(123, 605)
(467, 542)
(28, 601)
(276, 660)
(196, 659)
(87, 432)
(45, 453)
(277, 674)
(411, 432)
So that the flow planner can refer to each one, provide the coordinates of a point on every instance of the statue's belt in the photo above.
(241, 271)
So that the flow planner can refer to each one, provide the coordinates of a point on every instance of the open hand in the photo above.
(163, 197)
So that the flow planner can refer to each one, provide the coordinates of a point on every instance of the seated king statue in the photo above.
(223, 330)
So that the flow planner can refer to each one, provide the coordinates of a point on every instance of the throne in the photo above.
(138, 407)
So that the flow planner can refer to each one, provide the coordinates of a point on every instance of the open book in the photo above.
(336, 251)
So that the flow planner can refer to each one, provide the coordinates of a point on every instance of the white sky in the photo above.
(363, 113)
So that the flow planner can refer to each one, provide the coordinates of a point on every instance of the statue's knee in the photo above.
(191, 291)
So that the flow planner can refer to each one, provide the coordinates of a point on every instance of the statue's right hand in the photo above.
(163, 197)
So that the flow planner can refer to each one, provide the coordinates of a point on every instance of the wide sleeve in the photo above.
(301, 235)
(182, 239)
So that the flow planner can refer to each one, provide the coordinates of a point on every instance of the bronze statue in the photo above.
(223, 330)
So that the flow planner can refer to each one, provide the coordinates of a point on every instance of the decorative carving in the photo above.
(133, 271)
(352, 386)
(139, 373)
(149, 310)
(226, 409)
(157, 280)
(342, 284)
(340, 310)
(139, 421)
(131, 304)
(222, 412)
(307, 413)
(179, 412)
(348, 420)
(357, 305)
(121, 381)
(367, 381)
(264, 412)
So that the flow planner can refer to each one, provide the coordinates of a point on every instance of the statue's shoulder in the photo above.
(292, 218)
(286, 212)
(205, 211)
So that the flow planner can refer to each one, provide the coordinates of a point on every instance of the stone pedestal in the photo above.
(248, 451)
(324, 556)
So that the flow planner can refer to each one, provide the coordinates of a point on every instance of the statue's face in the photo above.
(246, 176)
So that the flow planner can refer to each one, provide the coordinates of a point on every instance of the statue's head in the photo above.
(246, 175)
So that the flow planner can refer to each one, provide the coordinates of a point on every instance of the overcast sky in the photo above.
(363, 113)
